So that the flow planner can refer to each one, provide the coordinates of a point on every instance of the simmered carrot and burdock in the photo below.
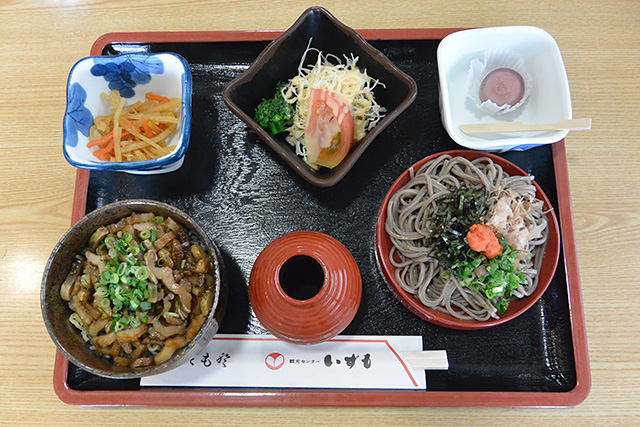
(136, 132)
(140, 291)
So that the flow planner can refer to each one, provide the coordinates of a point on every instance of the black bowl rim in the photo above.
(287, 155)
(192, 348)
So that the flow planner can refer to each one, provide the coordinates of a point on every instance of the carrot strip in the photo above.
(147, 129)
(155, 97)
(101, 141)
(105, 150)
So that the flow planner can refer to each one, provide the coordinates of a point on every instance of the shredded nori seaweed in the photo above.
(450, 222)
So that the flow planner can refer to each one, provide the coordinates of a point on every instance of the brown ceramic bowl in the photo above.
(305, 287)
(279, 63)
(516, 308)
(56, 312)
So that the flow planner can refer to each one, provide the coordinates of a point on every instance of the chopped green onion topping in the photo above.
(142, 273)
(138, 294)
(110, 241)
(122, 269)
(124, 285)
(117, 293)
(105, 276)
(501, 278)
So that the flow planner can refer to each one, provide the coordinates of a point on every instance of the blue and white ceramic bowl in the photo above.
(132, 75)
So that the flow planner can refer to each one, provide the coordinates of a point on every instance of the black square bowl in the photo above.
(279, 62)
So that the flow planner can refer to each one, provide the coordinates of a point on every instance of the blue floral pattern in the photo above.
(126, 72)
(77, 118)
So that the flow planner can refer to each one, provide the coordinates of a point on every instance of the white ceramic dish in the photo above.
(133, 75)
(549, 101)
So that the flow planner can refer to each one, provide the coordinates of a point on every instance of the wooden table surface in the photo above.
(600, 44)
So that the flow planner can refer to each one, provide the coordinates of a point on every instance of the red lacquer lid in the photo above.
(305, 287)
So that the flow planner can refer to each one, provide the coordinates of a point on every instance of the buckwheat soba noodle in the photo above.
(431, 222)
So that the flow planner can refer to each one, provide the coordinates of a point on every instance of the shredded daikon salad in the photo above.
(332, 74)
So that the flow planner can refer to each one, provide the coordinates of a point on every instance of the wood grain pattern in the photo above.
(41, 40)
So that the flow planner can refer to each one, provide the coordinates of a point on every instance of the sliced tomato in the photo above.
(330, 127)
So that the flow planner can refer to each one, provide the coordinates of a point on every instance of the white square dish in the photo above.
(549, 101)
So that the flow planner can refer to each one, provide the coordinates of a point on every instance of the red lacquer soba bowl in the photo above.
(517, 307)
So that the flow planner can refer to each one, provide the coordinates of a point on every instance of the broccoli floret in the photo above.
(274, 113)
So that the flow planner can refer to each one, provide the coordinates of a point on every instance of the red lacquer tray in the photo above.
(463, 385)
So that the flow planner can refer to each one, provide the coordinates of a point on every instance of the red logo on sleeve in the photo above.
(274, 361)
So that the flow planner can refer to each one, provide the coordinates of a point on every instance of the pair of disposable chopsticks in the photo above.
(430, 360)
(573, 124)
